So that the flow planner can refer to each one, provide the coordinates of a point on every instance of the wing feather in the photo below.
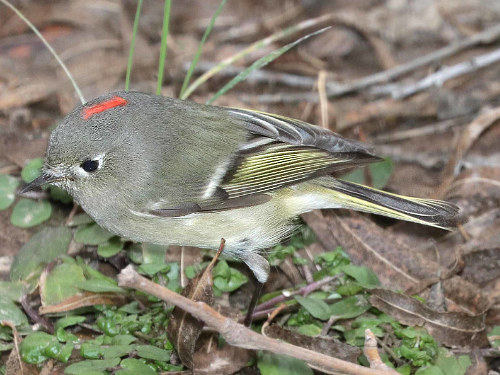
(277, 152)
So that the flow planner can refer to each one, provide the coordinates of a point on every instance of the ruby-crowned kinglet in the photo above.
(168, 171)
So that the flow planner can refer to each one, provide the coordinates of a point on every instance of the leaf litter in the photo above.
(403, 256)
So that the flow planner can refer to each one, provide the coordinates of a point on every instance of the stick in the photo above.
(236, 334)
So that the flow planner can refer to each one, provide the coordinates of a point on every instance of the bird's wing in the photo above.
(282, 152)
(278, 152)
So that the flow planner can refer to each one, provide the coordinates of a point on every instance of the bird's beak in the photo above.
(44, 178)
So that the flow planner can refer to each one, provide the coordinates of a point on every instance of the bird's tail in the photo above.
(436, 213)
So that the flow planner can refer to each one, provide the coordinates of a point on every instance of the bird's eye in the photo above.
(90, 165)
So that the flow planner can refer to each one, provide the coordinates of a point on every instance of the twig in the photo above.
(323, 99)
(484, 37)
(255, 46)
(236, 334)
(304, 291)
(263, 76)
(440, 77)
(45, 323)
(371, 353)
(390, 352)
(430, 129)
(328, 325)
(271, 317)
(467, 139)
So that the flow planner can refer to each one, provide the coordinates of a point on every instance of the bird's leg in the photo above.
(253, 302)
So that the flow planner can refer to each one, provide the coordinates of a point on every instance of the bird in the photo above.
(167, 171)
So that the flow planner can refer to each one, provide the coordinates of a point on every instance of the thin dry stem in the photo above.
(236, 334)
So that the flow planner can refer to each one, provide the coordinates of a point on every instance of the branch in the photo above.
(440, 77)
(484, 37)
(237, 334)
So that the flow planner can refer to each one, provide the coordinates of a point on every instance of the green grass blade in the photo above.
(198, 52)
(132, 44)
(49, 47)
(261, 63)
(307, 24)
(163, 49)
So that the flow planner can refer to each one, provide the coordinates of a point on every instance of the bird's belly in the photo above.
(244, 229)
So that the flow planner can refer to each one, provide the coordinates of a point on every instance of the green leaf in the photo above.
(65, 336)
(123, 339)
(4, 347)
(60, 195)
(92, 234)
(91, 351)
(451, 364)
(357, 176)
(136, 367)
(316, 307)
(80, 219)
(10, 312)
(192, 270)
(153, 254)
(431, 370)
(309, 330)
(381, 173)
(33, 347)
(12, 290)
(100, 286)
(8, 186)
(89, 367)
(39, 251)
(32, 170)
(62, 282)
(496, 333)
(227, 279)
(152, 352)
(69, 321)
(405, 369)
(27, 213)
(350, 307)
(110, 247)
(273, 364)
(260, 63)
(115, 351)
(152, 269)
(363, 275)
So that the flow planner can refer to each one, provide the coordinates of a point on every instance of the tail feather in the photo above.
(436, 213)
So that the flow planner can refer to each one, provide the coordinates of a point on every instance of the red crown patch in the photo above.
(115, 101)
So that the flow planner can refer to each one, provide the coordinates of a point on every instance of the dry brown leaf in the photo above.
(467, 139)
(84, 299)
(397, 266)
(325, 345)
(210, 359)
(479, 365)
(476, 191)
(184, 330)
(449, 328)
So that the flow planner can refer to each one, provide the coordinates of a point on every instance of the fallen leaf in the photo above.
(84, 299)
(184, 330)
(449, 328)
(210, 359)
(325, 345)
